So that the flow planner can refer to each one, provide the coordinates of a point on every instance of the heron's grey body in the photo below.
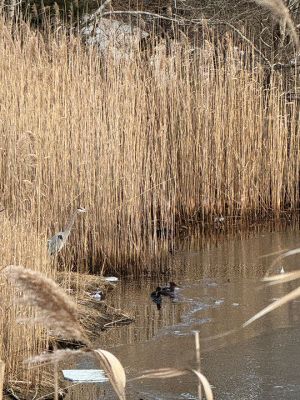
(57, 242)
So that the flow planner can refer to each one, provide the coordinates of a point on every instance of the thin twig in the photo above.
(195, 22)
(46, 396)
(101, 8)
(56, 380)
(246, 40)
(99, 12)
(138, 13)
(124, 319)
(142, 193)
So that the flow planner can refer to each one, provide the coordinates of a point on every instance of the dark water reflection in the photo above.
(220, 289)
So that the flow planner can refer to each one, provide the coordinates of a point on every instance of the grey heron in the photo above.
(57, 242)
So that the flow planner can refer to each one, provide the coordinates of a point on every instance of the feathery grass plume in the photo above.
(114, 371)
(56, 310)
(274, 253)
(280, 302)
(280, 10)
(111, 365)
(53, 357)
(274, 280)
(281, 257)
(282, 278)
(221, 335)
(161, 373)
(2, 368)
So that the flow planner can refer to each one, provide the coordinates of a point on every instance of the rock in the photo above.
(112, 35)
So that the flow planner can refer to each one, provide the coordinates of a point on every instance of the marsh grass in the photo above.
(145, 143)
(19, 340)
(57, 313)
(36, 303)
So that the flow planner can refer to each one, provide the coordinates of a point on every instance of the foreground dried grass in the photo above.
(20, 340)
(276, 280)
(57, 312)
(165, 373)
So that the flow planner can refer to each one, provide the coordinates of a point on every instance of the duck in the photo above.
(97, 295)
(169, 290)
(156, 297)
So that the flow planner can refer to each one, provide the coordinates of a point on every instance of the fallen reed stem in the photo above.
(198, 359)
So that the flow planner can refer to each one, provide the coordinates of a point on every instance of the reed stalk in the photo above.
(2, 369)
(198, 359)
(55, 367)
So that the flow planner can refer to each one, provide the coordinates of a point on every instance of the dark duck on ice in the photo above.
(156, 297)
(163, 291)
(169, 290)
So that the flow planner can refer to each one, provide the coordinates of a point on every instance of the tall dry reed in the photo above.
(2, 369)
(141, 143)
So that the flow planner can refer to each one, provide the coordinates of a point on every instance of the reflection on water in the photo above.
(219, 290)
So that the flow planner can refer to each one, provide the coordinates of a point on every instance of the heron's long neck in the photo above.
(68, 228)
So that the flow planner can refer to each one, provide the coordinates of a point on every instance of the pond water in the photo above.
(220, 288)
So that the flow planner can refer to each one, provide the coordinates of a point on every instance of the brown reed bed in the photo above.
(144, 144)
